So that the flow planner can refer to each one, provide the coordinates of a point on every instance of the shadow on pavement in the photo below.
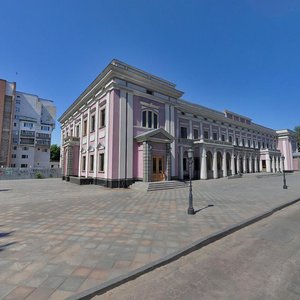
(198, 210)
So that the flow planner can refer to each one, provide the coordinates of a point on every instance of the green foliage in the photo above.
(54, 153)
(38, 175)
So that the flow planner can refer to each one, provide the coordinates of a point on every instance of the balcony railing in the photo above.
(71, 139)
(27, 141)
(27, 133)
(44, 142)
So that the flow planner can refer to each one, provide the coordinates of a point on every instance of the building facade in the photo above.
(26, 125)
(129, 125)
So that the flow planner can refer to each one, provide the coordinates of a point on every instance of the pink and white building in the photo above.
(129, 125)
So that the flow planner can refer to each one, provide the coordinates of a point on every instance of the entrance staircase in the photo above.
(158, 185)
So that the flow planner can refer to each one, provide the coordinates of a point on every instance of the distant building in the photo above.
(130, 125)
(7, 108)
(31, 122)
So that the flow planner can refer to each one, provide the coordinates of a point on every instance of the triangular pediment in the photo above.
(158, 135)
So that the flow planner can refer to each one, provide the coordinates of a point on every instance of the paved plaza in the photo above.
(58, 239)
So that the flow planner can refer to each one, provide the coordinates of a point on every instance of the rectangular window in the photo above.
(237, 141)
(92, 123)
(45, 150)
(230, 139)
(243, 142)
(101, 162)
(144, 117)
(258, 145)
(12, 165)
(24, 156)
(84, 127)
(215, 136)
(155, 120)
(102, 118)
(149, 119)
(14, 156)
(183, 132)
(196, 134)
(25, 148)
(72, 132)
(91, 163)
(83, 163)
(29, 125)
(249, 143)
(223, 138)
(23, 165)
(77, 131)
(254, 144)
(206, 134)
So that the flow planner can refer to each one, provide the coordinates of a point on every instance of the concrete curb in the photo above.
(115, 282)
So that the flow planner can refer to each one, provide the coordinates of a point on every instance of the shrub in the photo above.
(38, 175)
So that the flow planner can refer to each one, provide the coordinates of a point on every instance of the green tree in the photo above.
(54, 153)
(297, 130)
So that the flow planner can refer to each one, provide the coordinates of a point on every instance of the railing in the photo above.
(43, 142)
(70, 139)
(27, 133)
(27, 141)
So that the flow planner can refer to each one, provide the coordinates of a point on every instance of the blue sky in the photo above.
(240, 55)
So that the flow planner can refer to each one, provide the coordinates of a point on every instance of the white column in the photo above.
(255, 164)
(87, 159)
(80, 145)
(232, 164)
(250, 164)
(260, 164)
(244, 164)
(96, 140)
(167, 117)
(224, 166)
(273, 164)
(203, 174)
(277, 164)
(281, 165)
(180, 162)
(172, 132)
(107, 126)
(129, 170)
(215, 165)
(201, 131)
(122, 135)
(191, 130)
(238, 163)
(268, 163)
(211, 132)
(220, 133)
(227, 134)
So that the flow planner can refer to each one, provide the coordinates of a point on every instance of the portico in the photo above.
(156, 154)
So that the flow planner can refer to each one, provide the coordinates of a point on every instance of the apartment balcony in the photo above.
(43, 142)
(27, 133)
(27, 141)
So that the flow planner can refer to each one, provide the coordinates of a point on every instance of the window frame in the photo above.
(149, 119)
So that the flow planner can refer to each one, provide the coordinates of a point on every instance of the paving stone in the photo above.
(59, 228)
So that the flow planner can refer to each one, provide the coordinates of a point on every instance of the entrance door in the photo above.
(158, 167)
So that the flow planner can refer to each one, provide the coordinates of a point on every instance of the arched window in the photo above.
(149, 119)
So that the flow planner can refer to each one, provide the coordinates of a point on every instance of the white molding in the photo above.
(122, 134)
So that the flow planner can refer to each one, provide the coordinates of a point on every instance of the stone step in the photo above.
(158, 185)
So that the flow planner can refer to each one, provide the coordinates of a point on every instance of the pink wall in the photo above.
(296, 164)
(75, 160)
(138, 166)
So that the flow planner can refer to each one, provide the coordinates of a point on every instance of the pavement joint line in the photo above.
(119, 280)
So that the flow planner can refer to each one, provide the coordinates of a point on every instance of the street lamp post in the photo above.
(191, 210)
(284, 180)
